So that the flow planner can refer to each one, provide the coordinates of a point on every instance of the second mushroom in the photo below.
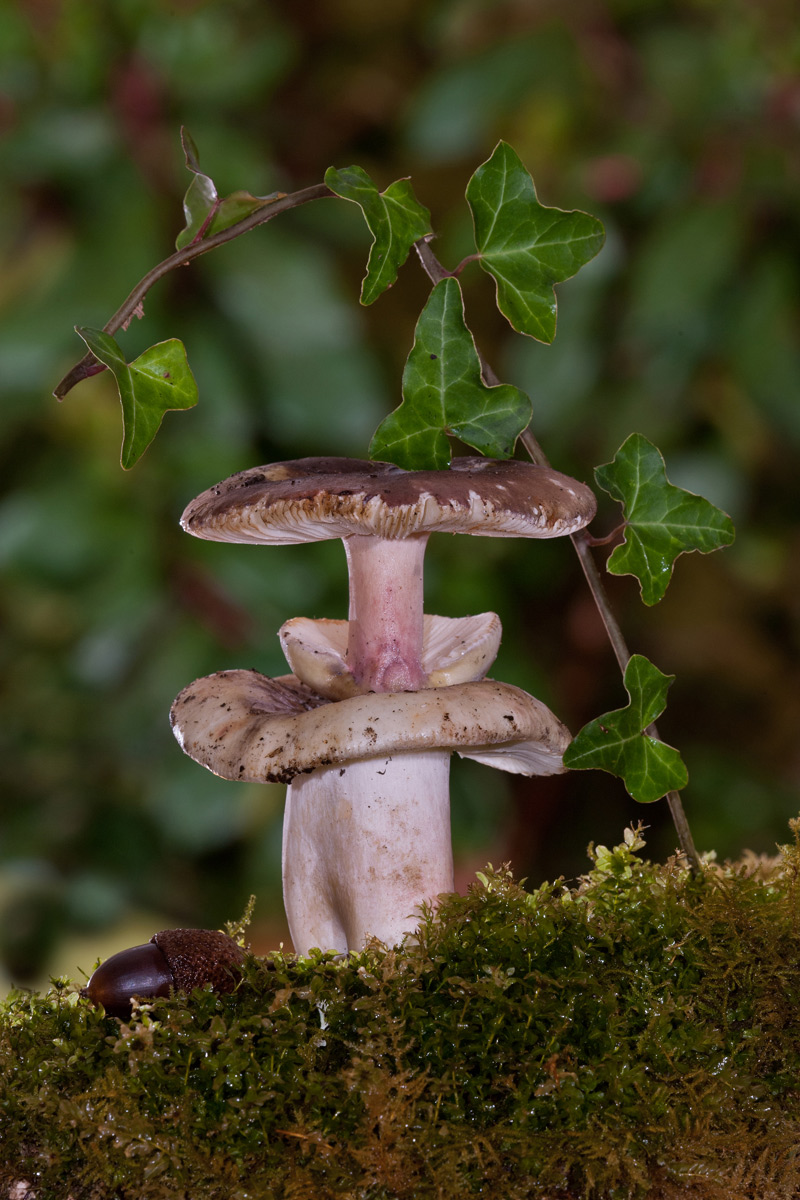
(363, 728)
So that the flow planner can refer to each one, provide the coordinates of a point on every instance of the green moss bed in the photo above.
(634, 1035)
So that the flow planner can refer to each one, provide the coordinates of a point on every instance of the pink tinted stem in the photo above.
(384, 649)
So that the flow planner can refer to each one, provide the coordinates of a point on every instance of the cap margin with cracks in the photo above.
(312, 499)
(242, 725)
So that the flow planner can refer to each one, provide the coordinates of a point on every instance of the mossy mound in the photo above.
(634, 1036)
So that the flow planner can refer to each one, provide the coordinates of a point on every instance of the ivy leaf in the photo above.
(526, 247)
(201, 196)
(205, 213)
(395, 218)
(443, 393)
(617, 742)
(661, 521)
(157, 381)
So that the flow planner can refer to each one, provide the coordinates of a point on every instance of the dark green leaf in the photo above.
(395, 219)
(661, 520)
(617, 742)
(205, 213)
(443, 393)
(155, 382)
(526, 247)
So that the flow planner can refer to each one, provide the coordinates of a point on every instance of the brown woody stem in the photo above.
(88, 365)
(609, 538)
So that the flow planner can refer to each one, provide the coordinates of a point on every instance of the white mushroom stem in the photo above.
(384, 649)
(363, 847)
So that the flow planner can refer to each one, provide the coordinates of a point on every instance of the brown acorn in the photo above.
(173, 960)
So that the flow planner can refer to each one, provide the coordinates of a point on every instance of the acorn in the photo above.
(173, 960)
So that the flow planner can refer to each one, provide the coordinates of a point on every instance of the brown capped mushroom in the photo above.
(366, 830)
(384, 515)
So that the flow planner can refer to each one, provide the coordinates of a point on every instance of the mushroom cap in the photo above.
(454, 650)
(244, 726)
(313, 499)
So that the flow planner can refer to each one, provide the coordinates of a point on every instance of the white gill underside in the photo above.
(364, 845)
(291, 521)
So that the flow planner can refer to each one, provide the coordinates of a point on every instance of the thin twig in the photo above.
(431, 265)
(582, 542)
(609, 538)
(88, 365)
(471, 258)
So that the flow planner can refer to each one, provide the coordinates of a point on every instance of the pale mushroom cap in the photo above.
(454, 650)
(313, 499)
(243, 726)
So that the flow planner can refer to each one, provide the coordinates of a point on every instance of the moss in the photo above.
(635, 1035)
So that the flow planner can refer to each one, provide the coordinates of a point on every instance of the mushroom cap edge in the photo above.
(315, 499)
(242, 725)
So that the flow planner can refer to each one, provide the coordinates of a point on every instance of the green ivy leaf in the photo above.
(395, 218)
(157, 381)
(526, 247)
(205, 213)
(200, 199)
(662, 521)
(617, 741)
(443, 393)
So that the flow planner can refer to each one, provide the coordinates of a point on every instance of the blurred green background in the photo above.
(676, 123)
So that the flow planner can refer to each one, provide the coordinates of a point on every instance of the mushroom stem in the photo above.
(363, 846)
(384, 648)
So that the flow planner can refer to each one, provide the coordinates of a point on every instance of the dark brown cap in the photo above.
(313, 499)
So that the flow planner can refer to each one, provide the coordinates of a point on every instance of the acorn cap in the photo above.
(315, 499)
(198, 957)
(244, 726)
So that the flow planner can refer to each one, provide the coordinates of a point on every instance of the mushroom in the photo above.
(384, 516)
(367, 824)
(366, 828)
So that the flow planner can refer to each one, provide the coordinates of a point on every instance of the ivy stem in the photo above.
(582, 542)
(471, 258)
(430, 263)
(609, 538)
(88, 365)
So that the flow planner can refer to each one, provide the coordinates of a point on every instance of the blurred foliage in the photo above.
(675, 123)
